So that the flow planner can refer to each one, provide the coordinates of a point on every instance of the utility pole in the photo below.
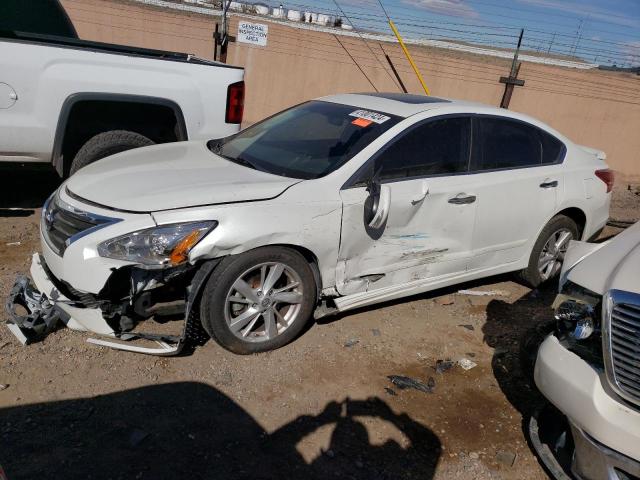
(221, 38)
(512, 80)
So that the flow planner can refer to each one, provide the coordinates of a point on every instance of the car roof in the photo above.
(400, 104)
(407, 104)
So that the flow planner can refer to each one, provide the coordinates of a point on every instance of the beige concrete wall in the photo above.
(598, 109)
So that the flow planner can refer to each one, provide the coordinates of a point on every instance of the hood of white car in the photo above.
(613, 266)
(169, 176)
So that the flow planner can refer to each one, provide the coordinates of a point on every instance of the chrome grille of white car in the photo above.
(62, 223)
(622, 342)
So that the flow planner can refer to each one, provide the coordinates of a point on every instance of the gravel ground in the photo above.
(321, 407)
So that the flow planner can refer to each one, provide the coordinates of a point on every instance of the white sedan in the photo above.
(337, 203)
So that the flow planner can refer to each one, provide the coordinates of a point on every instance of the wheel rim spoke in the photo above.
(286, 287)
(270, 327)
(279, 317)
(287, 297)
(238, 299)
(252, 324)
(562, 240)
(243, 319)
(272, 277)
(243, 288)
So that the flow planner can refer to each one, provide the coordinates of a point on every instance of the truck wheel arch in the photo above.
(67, 140)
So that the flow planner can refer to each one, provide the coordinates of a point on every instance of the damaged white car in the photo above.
(334, 204)
(589, 367)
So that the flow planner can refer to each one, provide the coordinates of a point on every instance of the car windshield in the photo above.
(307, 141)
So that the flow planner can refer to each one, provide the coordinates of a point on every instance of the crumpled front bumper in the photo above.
(46, 305)
(606, 431)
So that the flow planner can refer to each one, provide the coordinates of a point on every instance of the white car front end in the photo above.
(590, 367)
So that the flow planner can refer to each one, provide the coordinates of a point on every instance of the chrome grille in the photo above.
(622, 342)
(62, 223)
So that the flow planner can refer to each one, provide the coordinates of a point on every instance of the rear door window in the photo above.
(436, 147)
(501, 143)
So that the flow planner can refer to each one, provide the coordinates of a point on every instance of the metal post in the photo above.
(512, 80)
(408, 55)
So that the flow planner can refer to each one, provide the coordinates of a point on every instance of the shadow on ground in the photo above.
(25, 187)
(191, 430)
(508, 325)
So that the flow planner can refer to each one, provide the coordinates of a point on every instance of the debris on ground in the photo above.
(375, 332)
(506, 458)
(390, 391)
(351, 342)
(403, 383)
(13, 244)
(443, 365)
(468, 326)
(467, 364)
(445, 300)
(3, 386)
(484, 293)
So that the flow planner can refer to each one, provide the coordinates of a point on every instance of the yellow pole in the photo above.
(408, 55)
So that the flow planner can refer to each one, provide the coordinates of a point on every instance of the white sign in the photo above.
(368, 115)
(254, 33)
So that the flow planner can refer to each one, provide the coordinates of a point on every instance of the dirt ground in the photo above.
(321, 407)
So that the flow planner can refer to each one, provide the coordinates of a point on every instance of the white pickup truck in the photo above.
(71, 102)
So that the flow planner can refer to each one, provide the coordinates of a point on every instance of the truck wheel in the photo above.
(105, 144)
(259, 300)
(548, 252)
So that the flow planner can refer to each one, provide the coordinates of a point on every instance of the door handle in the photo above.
(549, 184)
(462, 199)
(419, 200)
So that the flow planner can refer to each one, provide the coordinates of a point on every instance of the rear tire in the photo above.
(259, 300)
(548, 251)
(105, 144)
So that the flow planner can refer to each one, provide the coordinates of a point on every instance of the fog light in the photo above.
(576, 318)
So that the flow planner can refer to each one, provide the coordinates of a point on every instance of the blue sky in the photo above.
(606, 32)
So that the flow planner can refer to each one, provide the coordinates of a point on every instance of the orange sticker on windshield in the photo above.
(362, 122)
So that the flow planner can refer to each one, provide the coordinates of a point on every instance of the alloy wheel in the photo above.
(263, 302)
(553, 252)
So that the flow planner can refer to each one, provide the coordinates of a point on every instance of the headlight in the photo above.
(576, 311)
(163, 245)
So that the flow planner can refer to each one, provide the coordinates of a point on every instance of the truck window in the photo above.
(42, 17)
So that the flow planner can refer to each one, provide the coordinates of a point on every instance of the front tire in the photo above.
(548, 252)
(259, 300)
(105, 144)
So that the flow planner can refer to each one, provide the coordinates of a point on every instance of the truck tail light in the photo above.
(235, 103)
(607, 177)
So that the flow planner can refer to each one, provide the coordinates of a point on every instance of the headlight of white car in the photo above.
(158, 246)
(577, 311)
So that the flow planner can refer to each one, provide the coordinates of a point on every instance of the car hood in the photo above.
(613, 266)
(169, 176)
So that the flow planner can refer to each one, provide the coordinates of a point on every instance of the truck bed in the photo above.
(67, 42)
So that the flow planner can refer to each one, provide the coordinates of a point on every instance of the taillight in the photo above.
(235, 103)
(607, 177)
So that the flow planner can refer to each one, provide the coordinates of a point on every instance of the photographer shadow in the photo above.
(192, 430)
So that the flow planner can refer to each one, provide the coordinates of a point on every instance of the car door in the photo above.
(518, 181)
(428, 225)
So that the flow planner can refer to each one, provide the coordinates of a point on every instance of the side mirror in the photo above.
(377, 205)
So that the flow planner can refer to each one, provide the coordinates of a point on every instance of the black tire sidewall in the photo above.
(531, 275)
(105, 144)
(212, 303)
